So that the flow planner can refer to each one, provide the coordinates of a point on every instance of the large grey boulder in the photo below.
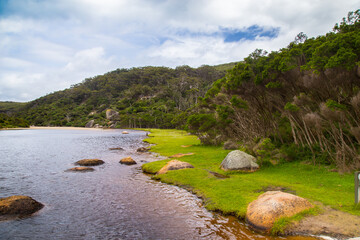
(90, 124)
(239, 160)
(111, 114)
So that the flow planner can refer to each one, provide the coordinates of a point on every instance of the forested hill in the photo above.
(143, 97)
(306, 95)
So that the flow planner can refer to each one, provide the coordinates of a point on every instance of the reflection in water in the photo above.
(114, 202)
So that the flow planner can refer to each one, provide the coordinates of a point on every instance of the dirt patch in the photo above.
(276, 188)
(179, 155)
(218, 175)
(331, 222)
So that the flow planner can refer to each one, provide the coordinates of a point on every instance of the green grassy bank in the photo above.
(232, 195)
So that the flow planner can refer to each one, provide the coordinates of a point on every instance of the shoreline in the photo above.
(330, 223)
(60, 128)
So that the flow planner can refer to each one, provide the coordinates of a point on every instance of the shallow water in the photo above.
(113, 202)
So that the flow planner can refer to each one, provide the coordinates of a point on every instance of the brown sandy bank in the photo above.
(330, 222)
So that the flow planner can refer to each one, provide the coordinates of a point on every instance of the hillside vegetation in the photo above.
(8, 116)
(144, 97)
(304, 98)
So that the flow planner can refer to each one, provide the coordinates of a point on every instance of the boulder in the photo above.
(90, 124)
(89, 162)
(125, 132)
(142, 149)
(230, 145)
(80, 169)
(238, 160)
(19, 206)
(111, 114)
(174, 165)
(270, 206)
(127, 161)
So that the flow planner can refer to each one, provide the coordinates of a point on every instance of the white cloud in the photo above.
(49, 45)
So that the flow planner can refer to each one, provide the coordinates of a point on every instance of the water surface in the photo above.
(113, 202)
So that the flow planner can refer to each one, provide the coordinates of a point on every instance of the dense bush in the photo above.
(307, 94)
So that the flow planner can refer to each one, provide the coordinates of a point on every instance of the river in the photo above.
(113, 202)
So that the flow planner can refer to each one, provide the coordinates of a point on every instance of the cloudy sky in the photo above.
(47, 46)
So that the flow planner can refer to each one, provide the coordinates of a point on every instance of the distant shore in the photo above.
(62, 128)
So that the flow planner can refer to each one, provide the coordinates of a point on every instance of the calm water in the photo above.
(113, 202)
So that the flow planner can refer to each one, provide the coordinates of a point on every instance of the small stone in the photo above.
(117, 148)
(89, 162)
(80, 169)
(142, 149)
(90, 124)
(174, 165)
(127, 161)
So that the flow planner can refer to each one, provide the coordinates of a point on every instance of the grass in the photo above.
(232, 195)
(282, 223)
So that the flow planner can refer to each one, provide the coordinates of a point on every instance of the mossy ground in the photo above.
(232, 195)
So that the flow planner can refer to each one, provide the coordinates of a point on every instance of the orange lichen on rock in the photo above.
(127, 161)
(271, 206)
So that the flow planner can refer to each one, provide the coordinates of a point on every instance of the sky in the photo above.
(49, 45)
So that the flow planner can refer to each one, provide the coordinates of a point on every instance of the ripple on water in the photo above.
(113, 202)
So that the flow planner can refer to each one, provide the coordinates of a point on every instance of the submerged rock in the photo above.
(89, 162)
(117, 148)
(174, 165)
(238, 160)
(270, 206)
(142, 149)
(19, 206)
(80, 169)
(128, 161)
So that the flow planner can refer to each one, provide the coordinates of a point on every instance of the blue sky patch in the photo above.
(250, 33)
(235, 35)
